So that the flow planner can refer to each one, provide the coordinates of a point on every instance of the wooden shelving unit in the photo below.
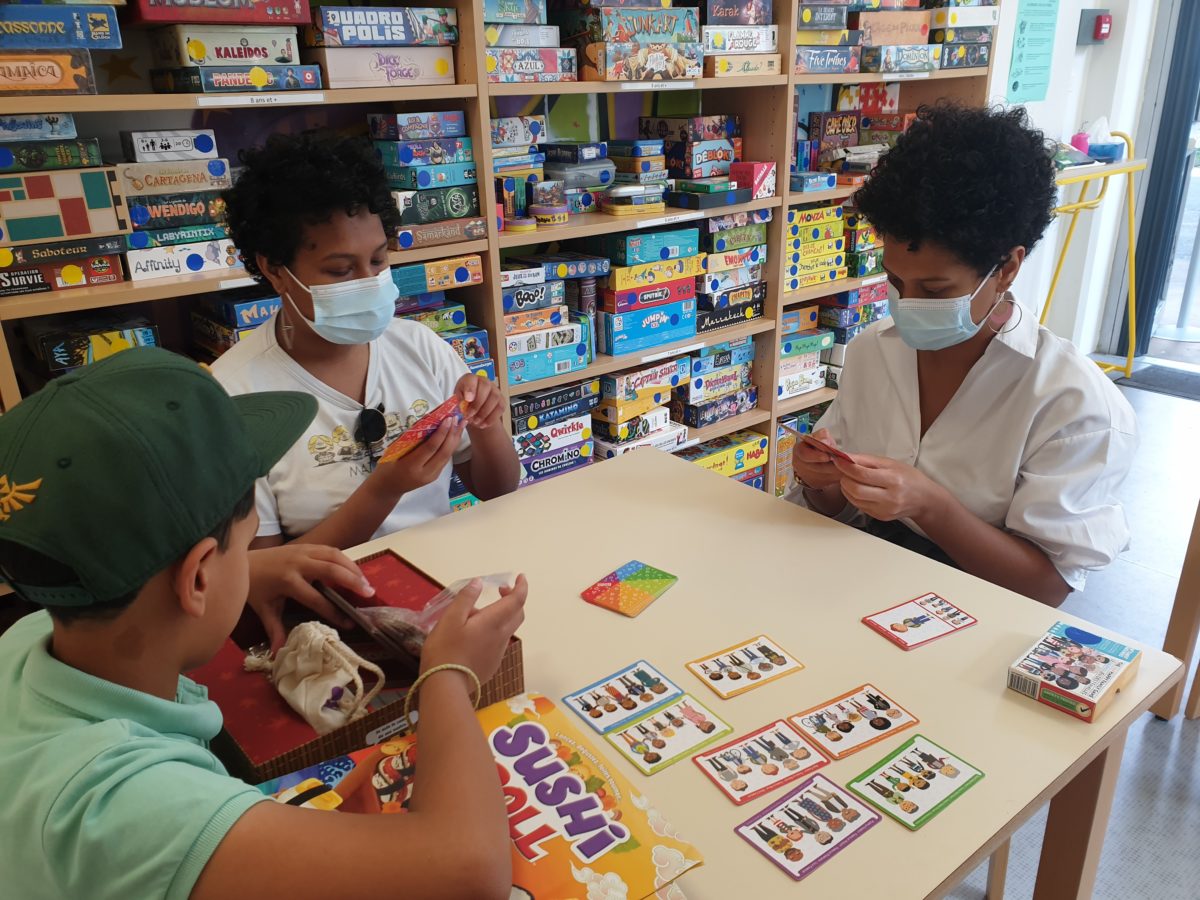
(764, 104)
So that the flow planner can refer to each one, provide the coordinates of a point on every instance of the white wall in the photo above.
(1086, 82)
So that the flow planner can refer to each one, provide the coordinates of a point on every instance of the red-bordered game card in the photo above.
(919, 621)
(853, 721)
(757, 763)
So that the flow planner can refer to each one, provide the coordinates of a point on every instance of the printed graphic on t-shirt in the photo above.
(341, 446)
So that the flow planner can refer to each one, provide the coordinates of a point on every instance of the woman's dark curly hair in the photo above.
(297, 180)
(975, 181)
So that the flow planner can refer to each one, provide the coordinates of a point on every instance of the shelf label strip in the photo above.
(288, 98)
(658, 85)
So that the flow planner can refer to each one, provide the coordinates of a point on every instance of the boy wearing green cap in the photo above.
(117, 516)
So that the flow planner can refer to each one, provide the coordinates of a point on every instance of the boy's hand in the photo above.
(278, 574)
(423, 464)
(476, 638)
(482, 399)
(814, 468)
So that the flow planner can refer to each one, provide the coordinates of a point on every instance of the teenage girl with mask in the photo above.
(978, 437)
(312, 216)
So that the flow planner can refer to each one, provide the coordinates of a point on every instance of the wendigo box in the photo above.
(175, 210)
(354, 67)
(46, 72)
(375, 26)
(178, 46)
(243, 12)
(27, 27)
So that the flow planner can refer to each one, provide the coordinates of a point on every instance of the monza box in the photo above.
(521, 36)
(377, 26)
(652, 295)
(828, 60)
(176, 46)
(730, 454)
(37, 156)
(37, 277)
(168, 146)
(723, 65)
(429, 152)
(355, 67)
(586, 24)
(520, 65)
(46, 72)
(434, 234)
(619, 61)
(244, 12)
(621, 333)
(740, 38)
(174, 177)
(182, 259)
(37, 127)
(659, 271)
(666, 439)
(540, 401)
(27, 27)
(235, 79)
(437, 204)
(718, 410)
(418, 126)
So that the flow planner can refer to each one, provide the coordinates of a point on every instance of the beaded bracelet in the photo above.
(444, 667)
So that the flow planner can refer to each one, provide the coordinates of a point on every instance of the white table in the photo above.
(750, 564)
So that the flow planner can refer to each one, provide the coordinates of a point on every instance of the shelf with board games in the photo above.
(726, 426)
(805, 401)
(807, 295)
(878, 78)
(535, 89)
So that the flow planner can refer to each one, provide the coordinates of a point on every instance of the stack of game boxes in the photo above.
(580, 170)
(733, 288)
(430, 165)
(173, 182)
(552, 430)
(516, 164)
(824, 44)
(518, 48)
(700, 152)
(964, 33)
(815, 246)
(846, 314)
(788, 427)
(716, 384)
(423, 299)
(739, 39)
(219, 321)
(47, 48)
(60, 344)
(634, 409)
(53, 253)
(382, 46)
(741, 455)
(544, 337)
(801, 343)
(895, 38)
(469, 341)
(646, 42)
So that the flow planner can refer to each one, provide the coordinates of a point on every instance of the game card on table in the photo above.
(915, 782)
(808, 826)
(757, 763)
(847, 724)
(744, 666)
(622, 697)
(629, 589)
(919, 621)
(667, 735)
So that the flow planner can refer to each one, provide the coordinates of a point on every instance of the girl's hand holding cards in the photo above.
(481, 401)
(812, 464)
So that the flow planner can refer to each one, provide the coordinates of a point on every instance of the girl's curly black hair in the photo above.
(297, 180)
(975, 181)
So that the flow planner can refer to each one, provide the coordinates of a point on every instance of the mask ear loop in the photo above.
(287, 331)
(1008, 298)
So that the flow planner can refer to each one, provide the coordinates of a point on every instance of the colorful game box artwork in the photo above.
(915, 782)
(806, 828)
(39, 207)
(630, 589)
(853, 721)
(667, 735)
(602, 837)
(419, 431)
(744, 666)
(622, 697)
(759, 762)
(919, 621)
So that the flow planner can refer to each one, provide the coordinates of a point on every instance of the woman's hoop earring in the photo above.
(1008, 297)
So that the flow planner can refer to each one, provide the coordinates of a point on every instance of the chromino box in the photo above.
(652, 295)
(354, 67)
(729, 454)
(417, 126)
(556, 462)
(176, 46)
(182, 259)
(510, 64)
(665, 439)
(357, 26)
(622, 333)
(168, 146)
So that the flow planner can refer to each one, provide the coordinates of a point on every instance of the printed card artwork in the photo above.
(919, 621)
(806, 827)
(623, 696)
(916, 782)
(848, 723)
(744, 666)
(667, 735)
(630, 589)
(757, 763)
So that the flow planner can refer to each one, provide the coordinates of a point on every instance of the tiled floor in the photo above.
(1153, 845)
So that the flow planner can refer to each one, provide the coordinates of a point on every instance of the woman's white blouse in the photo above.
(1036, 440)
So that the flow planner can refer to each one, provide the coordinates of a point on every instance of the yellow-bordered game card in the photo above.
(744, 666)
(853, 721)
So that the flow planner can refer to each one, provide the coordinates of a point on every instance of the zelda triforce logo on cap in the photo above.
(14, 497)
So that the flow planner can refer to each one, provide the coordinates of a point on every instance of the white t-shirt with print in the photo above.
(411, 371)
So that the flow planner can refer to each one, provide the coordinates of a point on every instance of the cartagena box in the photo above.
(372, 26)
(174, 177)
(235, 79)
(740, 38)
(178, 46)
(614, 61)
(621, 333)
(417, 126)
(182, 259)
(354, 67)
(906, 58)
(730, 454)
(527, 64)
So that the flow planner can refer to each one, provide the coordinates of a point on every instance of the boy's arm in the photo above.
(493, 469)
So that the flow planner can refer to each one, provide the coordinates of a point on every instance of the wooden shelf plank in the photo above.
(797, 198)
(605, 364)
(93, 103)
(537, 89)
(829, 287)
(875, 77)
(726, 426)
(596, 223)
(805, 401)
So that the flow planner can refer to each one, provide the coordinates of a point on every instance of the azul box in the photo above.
(182, 259)
(724, 65)
(437, 204)
(732, 12)
(374, 26)
(37, 127)
(434, 234)
(244, 12)
(177, 46)
(634, 249)
(36, 277)
(168, 146)
(699, 159)
(238, 79)
(530, 367)
(666, 439)
(540, 401)
(175, 210)
(692, 128)
(40, 207)
(32, 156)
(469, 343)
(714, 384)
(822, 17)
(527, 12)
(416, 126)
(1074, 670)
(718, 410)
(521, 36)
(735, 259)
(518, 65)
(622, 278)
(556, 462)
(174, 177)
(637, 427)
(892, 27)
(545, 438)
(729, 454)
(740, 39)
(518, 131)
(450, 317)
(23, 26)
(423, 177)
(431, 152)
(736, 238)
(544, 339)
(828, 60)
(439, 274)
(907, 58)
(621, 333)
(46, 72)
(532, 319)
(653, 381)
(643, 25)
(533, 296)
(614, 61)
(644, 297)
(354, 67)
(759, 177)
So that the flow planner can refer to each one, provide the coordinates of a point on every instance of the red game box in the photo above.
(240, 12)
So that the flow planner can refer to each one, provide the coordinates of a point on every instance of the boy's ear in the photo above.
(191, 580)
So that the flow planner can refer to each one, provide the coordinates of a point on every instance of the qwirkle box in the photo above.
(35, 156)
(174, 177)
(32, 278)
(244, 12)
(417, 126)
(27, 27)
(168, 146)
(235, 79)
(545, 438)
(46, 72)
(632, 332)
(518, 65)
(177, 46)
(907, 58)
(644, 25)
(41, 207)
(828, 60)
(740, 39)
(437, 204)
(182, 259)
(613, 61)
(380, 26)
(355, 67)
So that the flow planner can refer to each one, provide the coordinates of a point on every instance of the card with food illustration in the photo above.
(667, 735)
(915, 782)
(847, 724)
(622, 697)
(757, 763)
(919, 621)
(744, 666)
(808, 826)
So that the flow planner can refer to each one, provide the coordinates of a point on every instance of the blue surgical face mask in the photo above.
(352, 312)
(929, 324)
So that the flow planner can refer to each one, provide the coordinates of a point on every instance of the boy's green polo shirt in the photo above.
(108, 792)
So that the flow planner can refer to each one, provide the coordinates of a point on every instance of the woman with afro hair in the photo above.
(312, 216)
(978, 437)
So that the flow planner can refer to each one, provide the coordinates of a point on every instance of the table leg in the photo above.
(1184, 628)
(1192, 711)
(998, 871)
(1075, 829)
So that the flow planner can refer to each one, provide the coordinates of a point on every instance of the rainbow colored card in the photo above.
(630, 589)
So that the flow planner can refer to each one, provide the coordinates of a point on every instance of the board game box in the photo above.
(652, 295)
(40, 207)
(828, 38)
(521, 36)
(434, 234)
(740, 39)
(532, 404)
(729, 454)
(828, 60)
(25, 26)
(175, 210)
(182, 259)
(174, 177)
(37, 127)
(690, 128)
(520, 12)
(178, 46)
(645, 25)
(46, 72)
(736, 65)
(243, 12)
(556, 462)
(902, 58)
(516, 65)
(665, 440)
(517, 131)
(417, 126)
(822, 16)
(427, 176)
(430, 152)
(371, 26)
(965, 56)
(35, 277)
(235, 79)
(613, 61)
(437, 204)
(32, 156)
(549, 416)
(168, 146)
(892, 27)
(731, 12)
(641, 329)
(529, 367)
(355, 67)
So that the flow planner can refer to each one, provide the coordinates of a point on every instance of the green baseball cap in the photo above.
(118, 469)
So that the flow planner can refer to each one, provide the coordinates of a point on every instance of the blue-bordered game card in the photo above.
(623, 696)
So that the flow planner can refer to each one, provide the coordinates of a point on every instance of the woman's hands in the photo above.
(886, 489)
